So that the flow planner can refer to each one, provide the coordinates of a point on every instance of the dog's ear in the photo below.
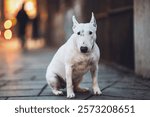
(93, 21)
(75, 22)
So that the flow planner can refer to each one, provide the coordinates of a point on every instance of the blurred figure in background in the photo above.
(22, 19)
(35, 22)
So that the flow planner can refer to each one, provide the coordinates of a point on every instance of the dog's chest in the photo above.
(81, 66)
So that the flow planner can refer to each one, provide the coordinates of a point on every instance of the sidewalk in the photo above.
(22, 77)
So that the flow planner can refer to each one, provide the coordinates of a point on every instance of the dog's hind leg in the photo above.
(54, 84)
(77, 88)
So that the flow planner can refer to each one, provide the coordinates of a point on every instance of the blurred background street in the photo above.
(123, 36)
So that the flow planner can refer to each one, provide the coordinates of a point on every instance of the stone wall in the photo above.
(142, 37)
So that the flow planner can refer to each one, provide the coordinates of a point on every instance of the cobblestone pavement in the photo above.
(22, 77)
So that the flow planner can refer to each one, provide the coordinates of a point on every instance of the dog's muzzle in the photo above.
(83, 49)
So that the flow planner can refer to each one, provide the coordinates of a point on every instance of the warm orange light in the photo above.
(8, 34)
(14, 21)
(13, 6)
(30, 7)
(7, 24)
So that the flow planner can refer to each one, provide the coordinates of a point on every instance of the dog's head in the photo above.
(85, 34)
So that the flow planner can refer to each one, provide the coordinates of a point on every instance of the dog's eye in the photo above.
(90, 32)
(78, 33)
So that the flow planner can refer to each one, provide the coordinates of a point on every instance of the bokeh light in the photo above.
(14, 21)
(13, 6)
(30, 7)
(7, 24)
(8, 34)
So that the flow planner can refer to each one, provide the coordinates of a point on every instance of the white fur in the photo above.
(69, 64)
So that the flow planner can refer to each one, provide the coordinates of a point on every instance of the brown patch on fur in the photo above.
(62, 83)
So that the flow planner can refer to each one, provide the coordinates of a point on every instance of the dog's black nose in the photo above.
(83, 49)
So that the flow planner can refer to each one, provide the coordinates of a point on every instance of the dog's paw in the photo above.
(70, 95)
(81, 90)
(57, 92)
(97, 91)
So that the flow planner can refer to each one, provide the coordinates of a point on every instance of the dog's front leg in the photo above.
(70, 92)
(94, 74)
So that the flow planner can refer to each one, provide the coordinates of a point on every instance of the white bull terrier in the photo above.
(76, 57)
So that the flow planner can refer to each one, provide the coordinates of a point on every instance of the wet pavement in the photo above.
(22, 77)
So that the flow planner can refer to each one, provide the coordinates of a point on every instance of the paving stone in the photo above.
(30, 82)
(127, 93)
(64, 97)
(105, 97)
(48, 92)
(25, 80)
(18, 86)
(21, 87)
(51, 97)
(131, 85)
(19, 93)
(2, 74)
(1, 98)
(2, 83)
(103, 85)
(131, 82)
(109, 78)
(16, 77)
(39, 98)
(145, 82)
